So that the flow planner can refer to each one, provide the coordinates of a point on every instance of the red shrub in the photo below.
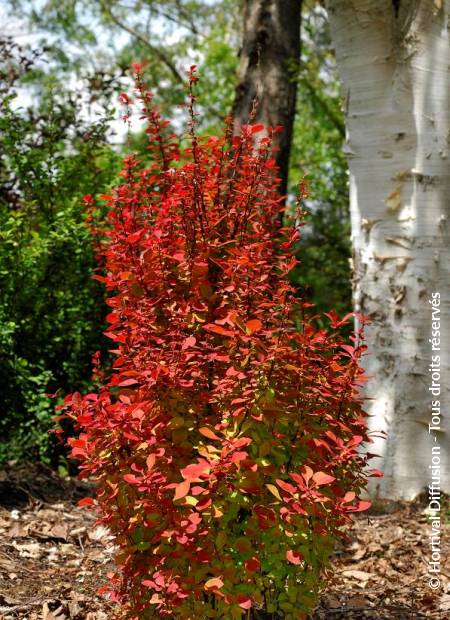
(224, 443)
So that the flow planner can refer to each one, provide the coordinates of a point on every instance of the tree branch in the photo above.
(140, 37)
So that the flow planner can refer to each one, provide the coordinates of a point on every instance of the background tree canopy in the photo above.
(59, 100)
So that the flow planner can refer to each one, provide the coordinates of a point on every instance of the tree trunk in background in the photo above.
(271, 45)
(394, 59)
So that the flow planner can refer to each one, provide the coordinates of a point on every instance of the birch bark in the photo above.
(394, 61)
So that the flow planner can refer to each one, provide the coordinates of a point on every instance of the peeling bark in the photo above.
(394, 59)
(271, 47)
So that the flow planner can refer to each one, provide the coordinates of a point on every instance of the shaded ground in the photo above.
(53, 558)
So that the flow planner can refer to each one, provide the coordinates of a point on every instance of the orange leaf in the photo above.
(155, 599)
(217, 329)
(151, 459)
(253, 326)
(182, 489)
(307, 473)
(273, 489)
(207, 432)
(214, 582)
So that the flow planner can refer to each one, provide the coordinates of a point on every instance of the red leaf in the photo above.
(78, 443)
(359, 507)
(84, 419)
(321, 478)
(375, 473)
(189, 342)
(348, 497)
(294, 557)
(253, 564)
(244, 601)
(78, 452)
(348, 349)
(243, 441)
(355, 441)
(138, 414)
(197, 490)
(236, 457)
(86, 501)
(194, 471)
(127, 382)
(289, 488)
(204, 504)
(131, 478)
(112, 317)
(217, 329)
(257, 128)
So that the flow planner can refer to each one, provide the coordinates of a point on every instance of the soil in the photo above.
(53, 557)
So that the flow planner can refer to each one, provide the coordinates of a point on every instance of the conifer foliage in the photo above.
(225, 440)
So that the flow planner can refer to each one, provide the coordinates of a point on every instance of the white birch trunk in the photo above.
(394, 61)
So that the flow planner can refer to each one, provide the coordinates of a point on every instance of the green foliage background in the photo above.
(52, 152)
(51, 310)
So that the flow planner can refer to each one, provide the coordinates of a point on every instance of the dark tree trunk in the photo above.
(270, 50)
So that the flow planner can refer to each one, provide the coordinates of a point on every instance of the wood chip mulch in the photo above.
(53, 557)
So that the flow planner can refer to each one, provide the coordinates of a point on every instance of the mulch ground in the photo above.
(53, 558)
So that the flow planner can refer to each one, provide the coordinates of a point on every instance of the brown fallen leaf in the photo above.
(99, 533)
(59, 531)
(74, 609)
(330, 601)
(444, 603)
(28, 550)
(360, 575)
(57, 614)
(358, 601)
(18, 530)
(360, 553)
(6, 564)
(7, 600)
